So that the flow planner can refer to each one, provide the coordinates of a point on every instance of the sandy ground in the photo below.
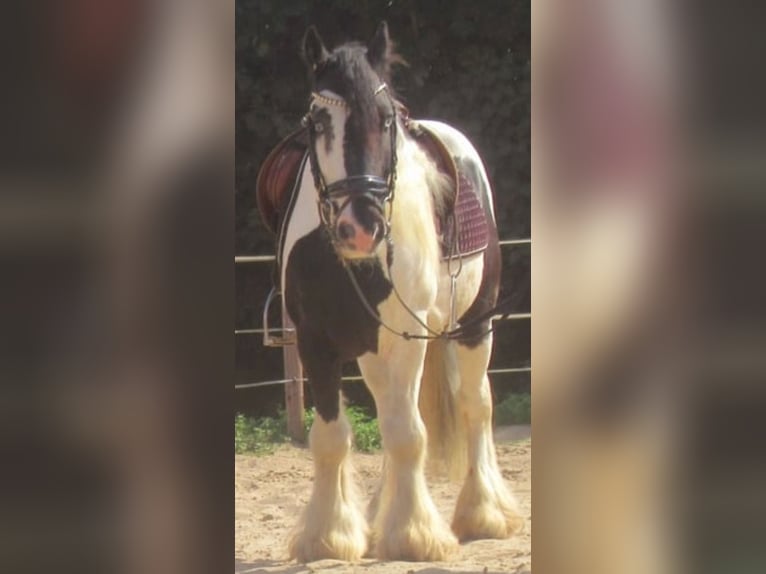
(270, 492)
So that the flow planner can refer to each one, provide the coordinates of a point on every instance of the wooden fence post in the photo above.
(294, 388)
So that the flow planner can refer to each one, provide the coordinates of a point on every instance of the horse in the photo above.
(372, 271)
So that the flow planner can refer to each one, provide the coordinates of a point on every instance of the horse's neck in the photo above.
(417, 183)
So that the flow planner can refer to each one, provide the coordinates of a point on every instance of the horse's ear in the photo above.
(314, 51)
(379, 49)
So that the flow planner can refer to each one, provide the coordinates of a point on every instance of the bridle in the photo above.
(333, 198)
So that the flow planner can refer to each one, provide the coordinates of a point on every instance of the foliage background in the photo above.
(468, 64)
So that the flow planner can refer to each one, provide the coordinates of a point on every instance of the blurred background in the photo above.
(116, 242)
(117, 232)
(467, 64)
(648, 281)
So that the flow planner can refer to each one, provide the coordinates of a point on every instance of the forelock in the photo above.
(348, 73)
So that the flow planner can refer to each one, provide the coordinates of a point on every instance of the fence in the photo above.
(294, 379)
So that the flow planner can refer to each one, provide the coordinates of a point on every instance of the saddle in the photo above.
(463, 225)
(278, 178)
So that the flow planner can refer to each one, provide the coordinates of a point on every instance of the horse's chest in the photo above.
(322, 301)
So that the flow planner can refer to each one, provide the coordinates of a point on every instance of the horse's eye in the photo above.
(319, 127)
(387, 122)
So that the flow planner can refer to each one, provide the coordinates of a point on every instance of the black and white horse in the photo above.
(365, 277)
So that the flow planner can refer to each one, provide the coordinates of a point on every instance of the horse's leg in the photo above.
(485, 508)
(374, 504)
(406, 525)
(332, 525)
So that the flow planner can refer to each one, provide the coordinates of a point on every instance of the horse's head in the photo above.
(352, 127)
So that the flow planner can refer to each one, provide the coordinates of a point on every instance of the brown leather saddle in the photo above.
(278, 178)
(463, 226)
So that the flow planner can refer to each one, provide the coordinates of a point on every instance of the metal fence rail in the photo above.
(359, 378)
(510, 317)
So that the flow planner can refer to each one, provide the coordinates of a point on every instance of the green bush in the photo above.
(308, 420)
(258, 435)
(515, 409)
(261, 435)
(365, 428)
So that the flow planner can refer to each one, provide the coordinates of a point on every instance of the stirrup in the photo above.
(287, 336)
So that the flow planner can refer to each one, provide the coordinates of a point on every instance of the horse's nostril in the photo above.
(346, 231)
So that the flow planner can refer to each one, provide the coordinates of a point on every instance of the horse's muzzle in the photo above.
(359, 229)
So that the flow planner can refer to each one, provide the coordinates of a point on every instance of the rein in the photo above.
(455, 334)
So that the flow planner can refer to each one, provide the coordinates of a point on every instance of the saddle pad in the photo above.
(469, 214)
(472, 226)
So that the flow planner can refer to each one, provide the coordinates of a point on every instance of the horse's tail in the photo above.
(444, 423)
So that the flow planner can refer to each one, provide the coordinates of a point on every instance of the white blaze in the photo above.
(331, 160)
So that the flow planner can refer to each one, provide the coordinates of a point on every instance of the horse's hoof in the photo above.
(417, 543)
(308, 547)
(487, 520)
